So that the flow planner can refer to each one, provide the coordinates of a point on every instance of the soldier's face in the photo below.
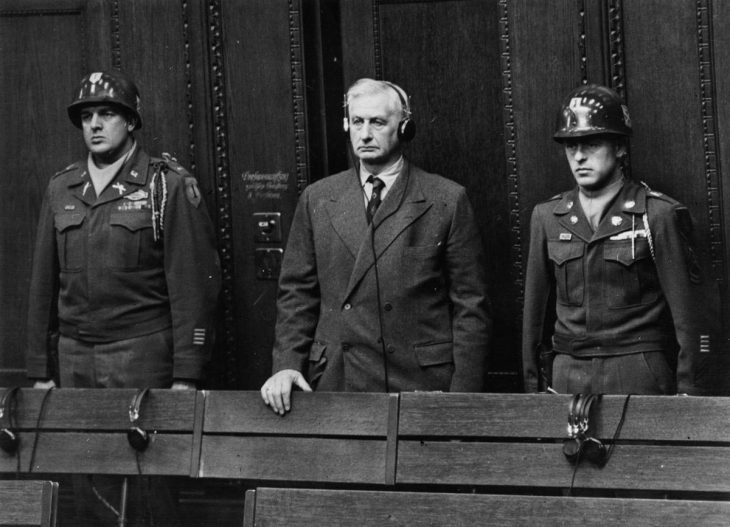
(107, 133)
(374, 130)
(594, 160)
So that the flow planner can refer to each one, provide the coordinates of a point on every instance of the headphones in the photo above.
(9, 440)
(580, 444)
(406, 126)
(138, 438)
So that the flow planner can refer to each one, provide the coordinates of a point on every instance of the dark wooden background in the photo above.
(248, 94)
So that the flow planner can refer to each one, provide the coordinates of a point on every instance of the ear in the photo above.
(621, 149)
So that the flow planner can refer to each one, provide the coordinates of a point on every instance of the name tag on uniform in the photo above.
(565, 236)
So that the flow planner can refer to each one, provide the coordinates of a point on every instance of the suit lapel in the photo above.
(403, 205)
(346, 210)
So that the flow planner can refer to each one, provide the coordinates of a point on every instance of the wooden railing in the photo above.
(433, 456)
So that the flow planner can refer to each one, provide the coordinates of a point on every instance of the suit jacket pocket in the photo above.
(434, 354)
(317, 363)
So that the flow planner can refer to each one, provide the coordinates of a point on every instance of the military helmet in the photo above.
(105, 87)
(592, 110)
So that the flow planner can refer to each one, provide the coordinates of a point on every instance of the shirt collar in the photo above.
(111, 169)
(388, 175)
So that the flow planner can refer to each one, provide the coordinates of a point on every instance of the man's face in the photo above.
(107, 133)
(374, 130)
(594, 160)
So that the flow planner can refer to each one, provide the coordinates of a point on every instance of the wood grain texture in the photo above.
(320, 414)
(648, 418)
(325, 508)
(28, 503)
(303, 459)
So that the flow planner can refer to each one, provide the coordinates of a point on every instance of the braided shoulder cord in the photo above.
(158, 191)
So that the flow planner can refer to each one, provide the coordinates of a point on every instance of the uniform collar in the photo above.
(630, 201)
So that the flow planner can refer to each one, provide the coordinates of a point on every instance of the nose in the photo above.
(365, 132)
(95, 121)
(579, 154)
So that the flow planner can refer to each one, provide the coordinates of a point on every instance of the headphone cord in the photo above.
(41, 411)
(616, 434)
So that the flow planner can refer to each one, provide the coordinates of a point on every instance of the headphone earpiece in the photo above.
(580, 445)
(9, 439)
(138, 438)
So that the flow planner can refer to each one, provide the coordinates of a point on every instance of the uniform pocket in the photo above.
(567, 258)
(130, 239)
(630, 273)
(70, 239)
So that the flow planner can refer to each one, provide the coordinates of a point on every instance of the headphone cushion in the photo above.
(594, 451)
(9, 441)
(138, 439)
(406, 130)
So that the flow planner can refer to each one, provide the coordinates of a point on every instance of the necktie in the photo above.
(374, 201)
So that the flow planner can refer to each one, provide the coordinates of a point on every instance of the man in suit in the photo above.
(382, 286)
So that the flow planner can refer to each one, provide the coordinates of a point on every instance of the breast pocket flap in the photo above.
(67, 220)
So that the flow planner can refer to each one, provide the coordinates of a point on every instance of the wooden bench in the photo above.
(497, 459)
(72, 431)
(28, 503)
(273, 507)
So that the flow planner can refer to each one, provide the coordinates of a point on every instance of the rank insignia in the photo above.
(121, 188)
(630, 204)
(569, 204)
(86, 187)
(137, 195)
(134, 173)
(616, 220)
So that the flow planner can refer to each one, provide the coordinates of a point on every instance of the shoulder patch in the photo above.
(192, 192)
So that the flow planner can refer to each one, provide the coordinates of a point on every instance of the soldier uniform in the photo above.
(113, 279)
(126, 271)
(621, 290)
(611, 289)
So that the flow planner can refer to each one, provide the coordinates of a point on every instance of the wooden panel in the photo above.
(634, 467)
(94, 409)
(100, 453)
(354, 414)
(655, 418)
(303, 459)
(325, 437)
(28, 503)
(39, 140)
(324, 508)
(267, 158)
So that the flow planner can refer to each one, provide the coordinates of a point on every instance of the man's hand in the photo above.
(276, 391)
(183, 385)
(44, 385)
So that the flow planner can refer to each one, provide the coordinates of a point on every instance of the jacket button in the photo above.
(388, 306)
(348, 306)
(346, 346)
(390, 348)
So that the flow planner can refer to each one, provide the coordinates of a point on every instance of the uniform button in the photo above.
(390, 348)
(348, 306)
(346, 346)
(388, 306)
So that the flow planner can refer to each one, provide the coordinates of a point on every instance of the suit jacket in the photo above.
(417, 272)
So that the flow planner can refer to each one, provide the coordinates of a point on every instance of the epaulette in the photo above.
(555, 197)
(67, 169)
(659, 195)
(172, 164)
